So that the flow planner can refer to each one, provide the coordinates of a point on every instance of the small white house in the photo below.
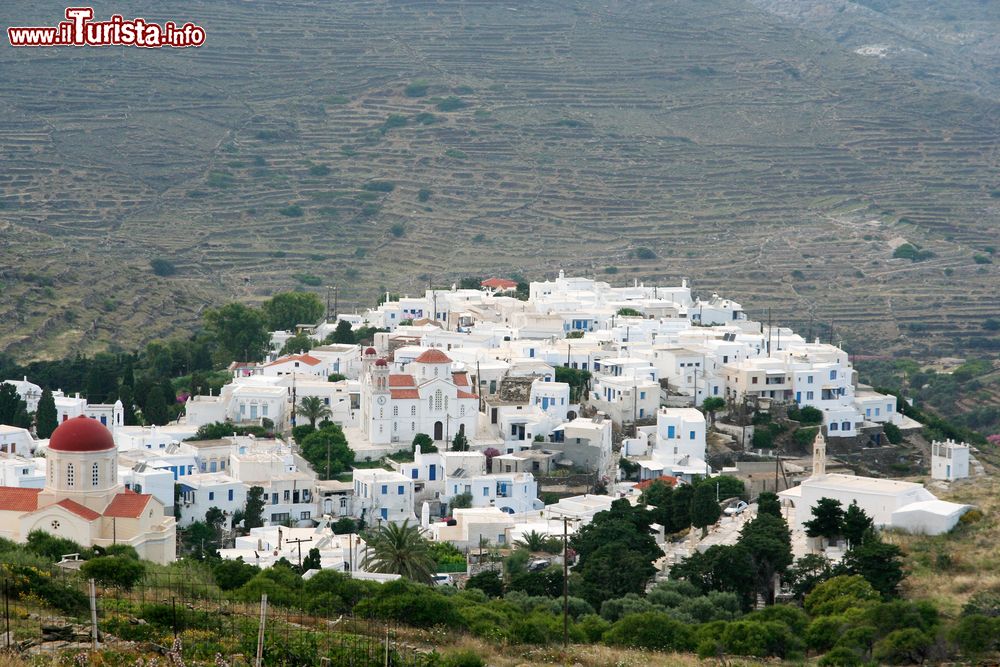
(383, 495)
(949, 460)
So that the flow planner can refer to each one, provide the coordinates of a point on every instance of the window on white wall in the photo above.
(95, 475)
(70, 475)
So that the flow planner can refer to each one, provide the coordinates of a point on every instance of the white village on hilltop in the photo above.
(552, 398)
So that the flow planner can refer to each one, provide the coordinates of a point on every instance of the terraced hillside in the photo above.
(386, 144)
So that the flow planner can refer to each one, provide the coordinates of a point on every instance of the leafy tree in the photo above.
(199, 537)
(127, 397)
(460, 501)
(117, 571)
(680, 507)
(460, 443)
(343, 334)
(856, 524)
(490, 453)
(253, 511)
(232, 574)
(769, 543)
(52, 547)
(629, 312)
(827, 521)
(768, 503)
(808, 572)
(976, 634)
(488, 581)
(46, 417)
(809, 415)
(705, 510)
(659, 495)
(879, 563)
(711, 405)
(286, 309)
(312, 561)
(726, 568)
(239, 332)
(611, 571)
(298, 343)
(327, 451)
(155, 409)
(13, 411)
(399, 549)
(839, 594)
(344, 526)
(314, 409)
(425, 442)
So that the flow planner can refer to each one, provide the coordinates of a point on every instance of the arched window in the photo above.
(70, 475)
(413, 411)
(381, 413)
(437, 399)
(95, 475)
(446, 403)
(430, 402)
(395, 411)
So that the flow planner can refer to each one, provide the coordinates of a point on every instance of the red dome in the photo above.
(370, 352)
(81, 434)
(433, 356)
(381, 362)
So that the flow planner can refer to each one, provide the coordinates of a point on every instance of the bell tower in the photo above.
(819, 456)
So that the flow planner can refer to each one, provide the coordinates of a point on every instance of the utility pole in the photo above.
(299, 542)
(293, 401)
(565, 584)
(327, 303)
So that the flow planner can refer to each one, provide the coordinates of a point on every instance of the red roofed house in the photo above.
(430, 398)
(296, 363)
(83, 499)
(499, 284)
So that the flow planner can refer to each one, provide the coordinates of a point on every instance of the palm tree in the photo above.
(313, 408)
(532, 541)
(399, 549)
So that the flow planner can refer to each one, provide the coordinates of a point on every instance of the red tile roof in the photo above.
(78, 509)
(404, 393)
(460, 379)
(14, 499)
(433, 356)
(400, 380)
(127, 505)
(499, 283)
(465, 394)
(304, 358)
(669, 480)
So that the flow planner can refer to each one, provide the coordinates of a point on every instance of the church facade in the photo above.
(425, 396)
(83, 499)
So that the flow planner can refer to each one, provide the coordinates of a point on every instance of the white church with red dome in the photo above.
(83, 499)
(424, 396)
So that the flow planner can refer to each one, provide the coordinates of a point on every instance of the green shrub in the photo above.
(410, 603)
(163, 267)
(116, 571)
(838, 594)
(463, 658)
(593, 627)
(976, 634)
(291, 211)
(380, 186)
(416, 89)
(398, 230)
(903, 647)
(651, 630)
(451, 103)
(841, 657)
(760, 639)
(488, 621)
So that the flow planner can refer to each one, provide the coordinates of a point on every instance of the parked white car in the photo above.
(734, 510)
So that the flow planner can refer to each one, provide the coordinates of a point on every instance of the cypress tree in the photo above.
(46, 417)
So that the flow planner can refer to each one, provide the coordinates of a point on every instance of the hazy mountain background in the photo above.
(774, 150)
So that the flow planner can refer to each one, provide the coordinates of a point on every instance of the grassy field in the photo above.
(370, 144)
(949, 569)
